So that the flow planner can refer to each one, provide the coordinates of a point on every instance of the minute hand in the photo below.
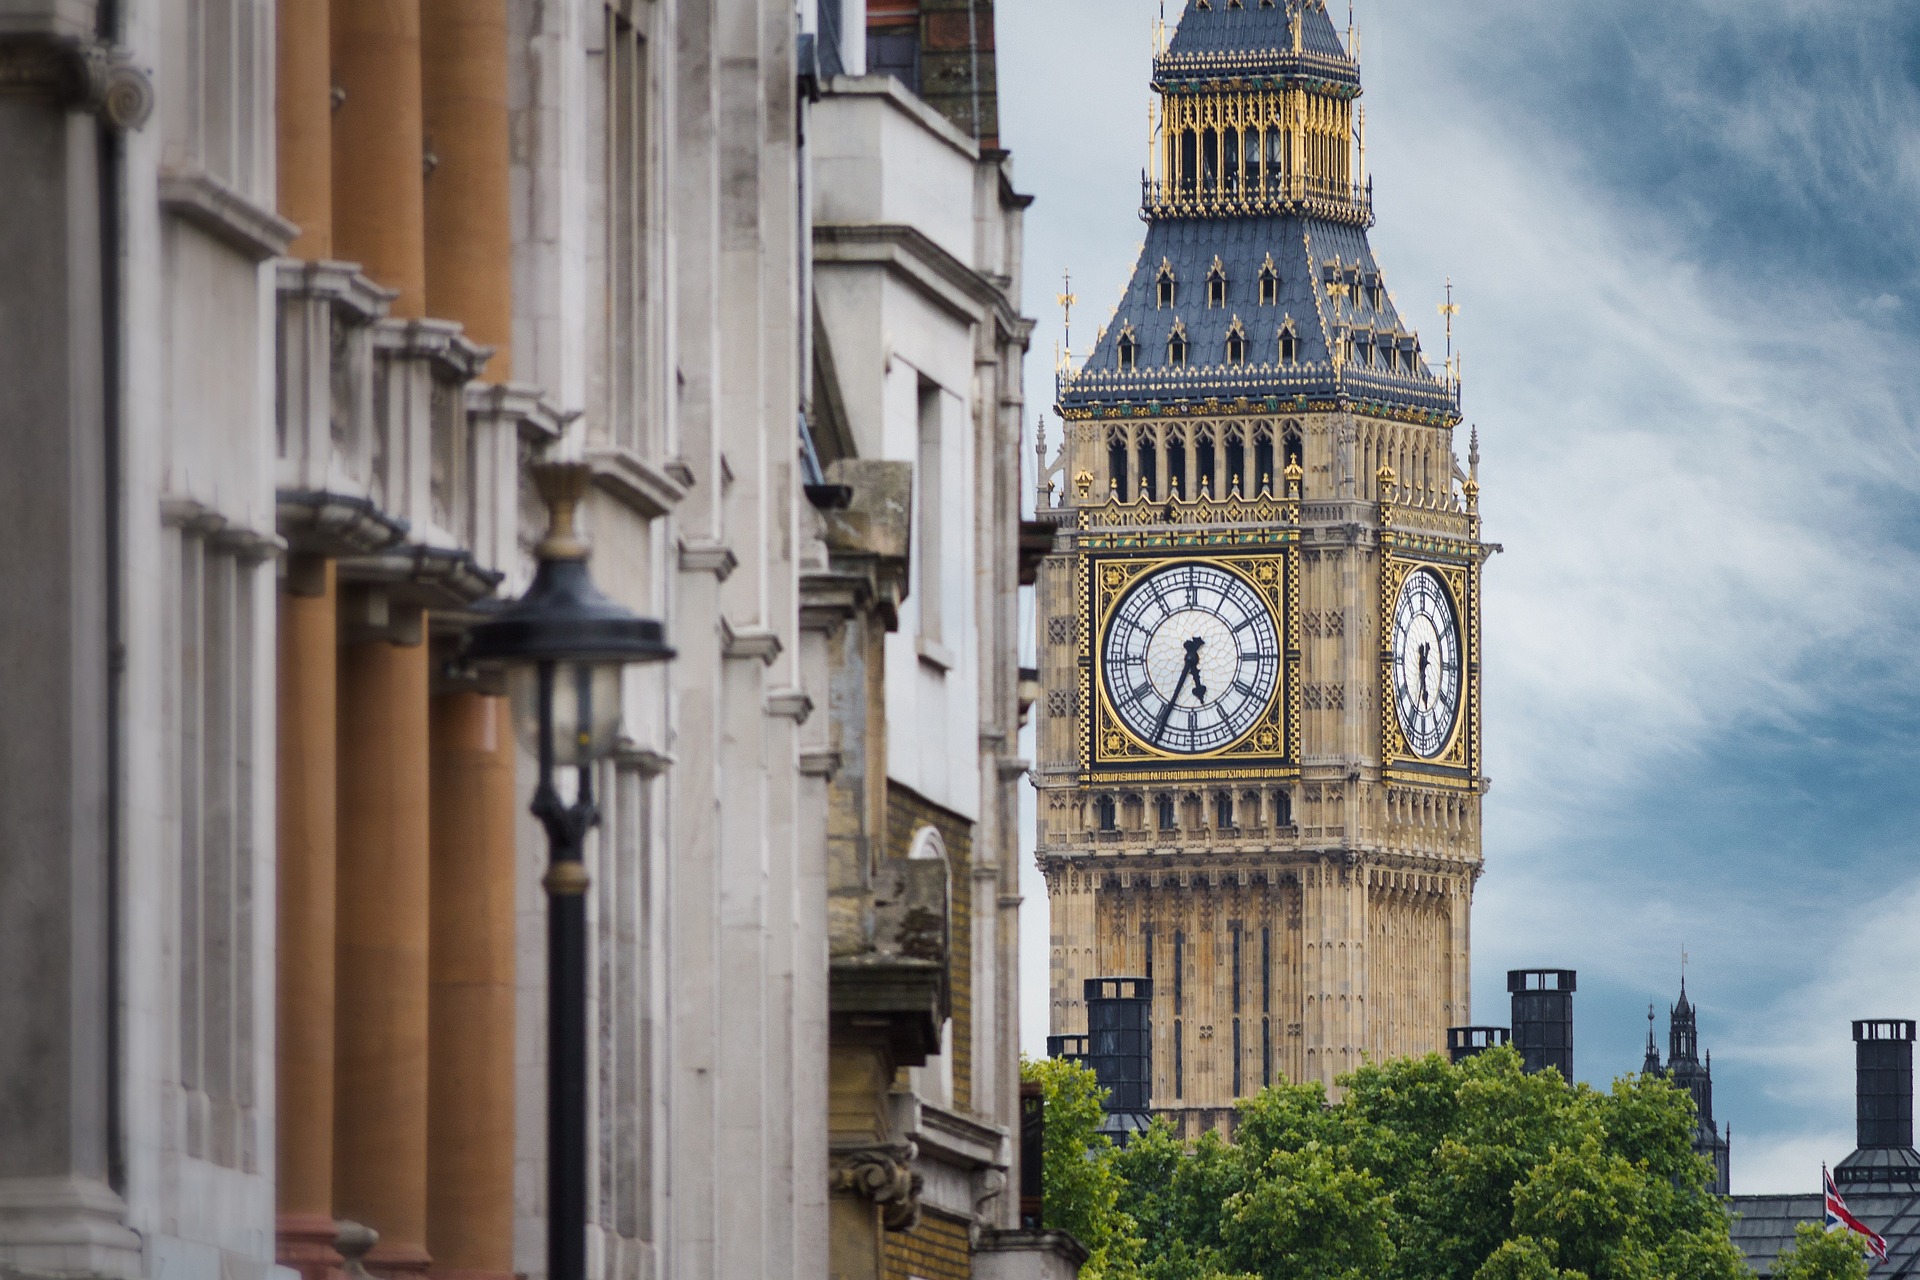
(1191, 669)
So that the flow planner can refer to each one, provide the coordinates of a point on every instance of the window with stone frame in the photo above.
(222, 118)
(215, 757)
(625, 942)
(628, 169)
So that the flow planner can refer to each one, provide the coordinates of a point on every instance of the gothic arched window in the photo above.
(1127, 349)
(1269, 284)
(1166, 285)
(1104, 815)
(1167, 822)
(1177, 345)
(1217, 284)
(1236, 342)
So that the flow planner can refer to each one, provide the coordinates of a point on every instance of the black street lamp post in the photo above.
(565, 644)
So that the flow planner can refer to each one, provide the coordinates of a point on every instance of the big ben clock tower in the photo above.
(1260, 772)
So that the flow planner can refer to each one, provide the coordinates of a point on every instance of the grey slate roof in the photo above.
(1763, 1228)
(1256, 40)
(1307, 253)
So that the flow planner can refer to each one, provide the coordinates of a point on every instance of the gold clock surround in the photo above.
(1269, 749)
(1457, 763)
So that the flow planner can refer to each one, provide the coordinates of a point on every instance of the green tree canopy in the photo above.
(1817, 1254)
(1422, 1170)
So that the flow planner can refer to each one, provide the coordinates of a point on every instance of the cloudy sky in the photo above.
(1684, 241)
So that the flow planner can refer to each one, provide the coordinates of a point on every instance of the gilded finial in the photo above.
(1066, 298)
(1295, 474)
(1234, 491)
(1143, 489)
(1113, 488)
(1386, 479)
(1206, 488)
(1083, 484)
(563, 487)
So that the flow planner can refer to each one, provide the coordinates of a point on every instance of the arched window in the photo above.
(1223, 810)
(1149, 472)
(1210, 160)
(1116, 460)
(1127, 349)
(1269, 284)
(1103, 814)
(1167, 817)
(1230, 158)
(1236, 342)
(1217, 284)
(1263, 459)
(1177, 463)
(927, 846)
(1203, 460)
(1189, 161)
(1166, 285)
(1289, 344)
(1177, 345)
(1295, 454)
(1282, 809)
(1236, 460)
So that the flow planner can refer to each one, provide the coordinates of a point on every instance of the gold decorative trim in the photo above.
(1108, 746)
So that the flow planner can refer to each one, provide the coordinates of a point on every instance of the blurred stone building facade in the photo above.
(291, 296)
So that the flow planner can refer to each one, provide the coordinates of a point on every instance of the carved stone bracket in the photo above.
(83, 75)
(884, 1175)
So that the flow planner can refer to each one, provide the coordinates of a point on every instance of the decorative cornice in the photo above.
(527, 407)
(339, 283)
(79, 74)
(704, 555)
(223, 213)
(790, 704)
(440, 342)
(923, 262)
(336, 524)
(752, 644)
(648, 490)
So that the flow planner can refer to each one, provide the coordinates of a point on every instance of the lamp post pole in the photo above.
(573, 642)
(566, 884)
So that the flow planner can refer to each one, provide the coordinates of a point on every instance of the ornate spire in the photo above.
(1652, 1065)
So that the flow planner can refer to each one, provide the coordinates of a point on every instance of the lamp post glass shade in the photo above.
(586, 710)
(564, 622)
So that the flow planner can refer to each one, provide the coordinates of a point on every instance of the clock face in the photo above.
(1426, 663)
(1191, 659)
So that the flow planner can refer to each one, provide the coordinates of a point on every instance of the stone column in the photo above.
(308, 680)
(304, 118)
(57, 1210)
(379, 152)
(470, 1103)
(469, 233)
(380, 1054)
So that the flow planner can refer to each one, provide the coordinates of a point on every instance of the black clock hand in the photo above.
(1166, 713)
(1193, 648)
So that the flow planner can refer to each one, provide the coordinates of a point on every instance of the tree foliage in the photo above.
(1422, 1170)
(1817, 1254)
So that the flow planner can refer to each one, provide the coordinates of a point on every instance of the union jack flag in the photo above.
(1839, 1217)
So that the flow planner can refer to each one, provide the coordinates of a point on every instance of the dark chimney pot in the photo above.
(1543, 1018)
(1471, 1042)
(1883, 1099)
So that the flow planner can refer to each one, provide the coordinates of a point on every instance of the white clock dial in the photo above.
(1426, 663)
(1191, 659)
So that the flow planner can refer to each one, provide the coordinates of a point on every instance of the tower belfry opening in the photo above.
(1262, 646)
